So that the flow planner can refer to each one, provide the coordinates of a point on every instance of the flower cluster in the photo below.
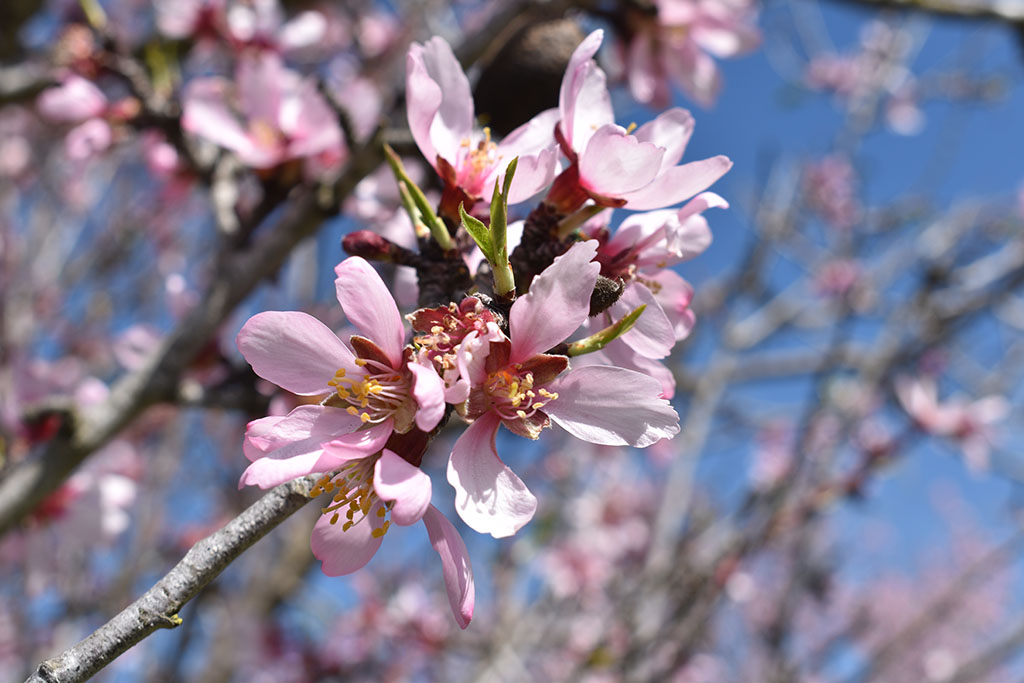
(571, 333)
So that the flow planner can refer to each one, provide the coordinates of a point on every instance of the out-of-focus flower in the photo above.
(680, 44)
(188, 18)
(279, 116)
(612, 165)
(878, 68)
(261, 23)
(15, 148)
(968, 423)
(77, 100)
(440, 109)
(830, 187)
(837, 277)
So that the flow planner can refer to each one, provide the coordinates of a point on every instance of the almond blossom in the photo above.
(612, 165)
(516, 384)
(368, 490)
(440, 110)
(967, 422)
(77, 100)
(279, 116)
(372, 388)
(640, 253)
(679, 45)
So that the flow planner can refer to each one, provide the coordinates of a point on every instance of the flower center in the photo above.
(354, 496)
(375, 396)
(476, 163)
(264, 134)
(512, 394)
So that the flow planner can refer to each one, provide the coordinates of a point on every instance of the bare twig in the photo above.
(159, 606)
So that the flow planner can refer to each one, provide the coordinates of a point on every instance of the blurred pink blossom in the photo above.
(680, 46)
(279, 116)
(968, 423)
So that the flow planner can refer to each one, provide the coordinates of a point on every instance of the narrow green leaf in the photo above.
(599, 340)
(426, 212)
(479, 232)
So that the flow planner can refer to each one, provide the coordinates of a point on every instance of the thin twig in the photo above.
(159, 606)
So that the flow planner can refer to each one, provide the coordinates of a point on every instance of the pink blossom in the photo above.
(261, 23)
(372, 388)
(187, 18)
(830, 186)
(440, 110)
(966, 422)
(77, 100)
(515, 383)
(73, 101)
(681, 43)
(88, 139)
(615, 166)
(639, 254)
(367, 491)
(280, 116)
(93, 508)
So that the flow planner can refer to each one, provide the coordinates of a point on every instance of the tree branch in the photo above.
(1008, 12)
(27, 483)
(159, 606)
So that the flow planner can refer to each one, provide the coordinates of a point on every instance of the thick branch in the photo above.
(159, 606)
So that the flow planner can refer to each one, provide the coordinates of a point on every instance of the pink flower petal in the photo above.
(612, 407)
(293, 446)
(88, 139)
(455, 564)
(653, 335)
(489, 497)
(621, 356)
(361, 443)
(646, 80)
(257, 443)
(370, 307)
(408, 486)
(615, 163)
(439, 102)
(304, 30)
(700, 204)
(678, 183)
(74, 100)
(556, 305)
(294, 350)
(343, 552)
(429, 392)
(205, 112)
(671, 130)
(261, 81)
(308, 420)
(292, 461)
(583, 100)
(696, 72)
(674, 295)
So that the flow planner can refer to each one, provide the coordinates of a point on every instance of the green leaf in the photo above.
(599, 340)
(479, 232)
(426, 214)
